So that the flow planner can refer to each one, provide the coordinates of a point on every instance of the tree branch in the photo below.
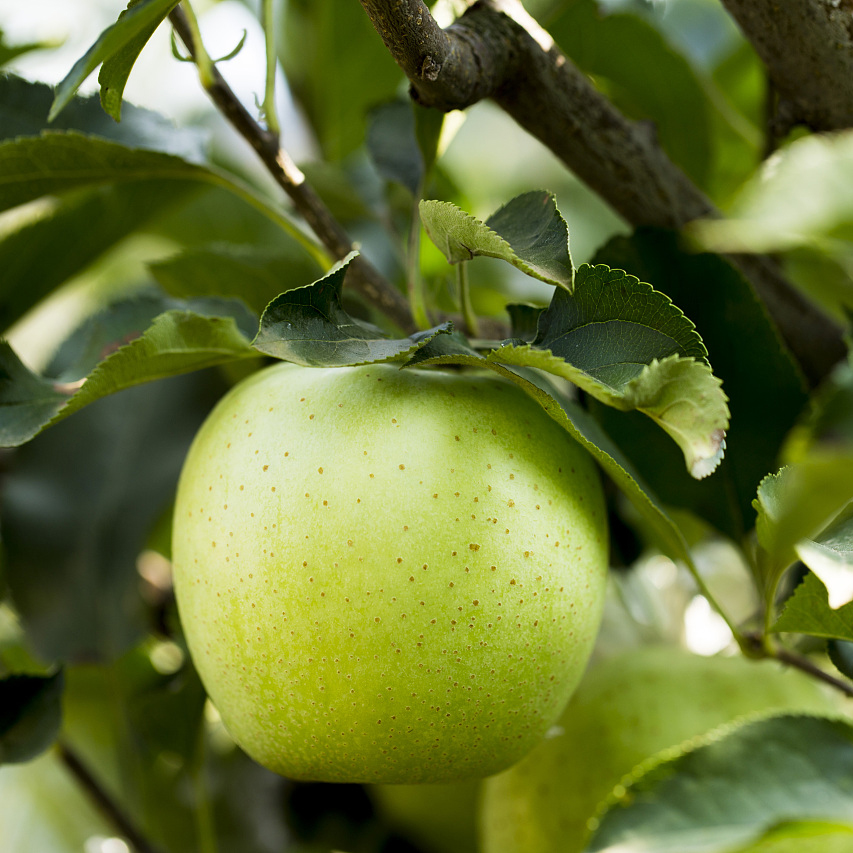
(496, 50)
(365, 278)
(807, 46)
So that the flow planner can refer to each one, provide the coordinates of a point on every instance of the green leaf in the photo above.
(177, 341)
(79, 503)
(32, 167)
(830, 557)
(524, 321)
(79, 228)
(734, 788)
(8, 52)
(27, 401)
(30, 715)
(24, 106)
(319, 38)
(629, 347)
(808, 611)
(528, 232)
(392, 145)
(764, 401)
(53, 163)
(140, 18)
(800, 198)
(309, 326)
(454, 349)
(644, 76)
(795, 504)
(251, 273)
(117, 66)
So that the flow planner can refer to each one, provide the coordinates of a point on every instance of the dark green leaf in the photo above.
(79, 228)
(807, 611)
(254, 274)
(524, 321)
(631, 348)
(142, 17)
(117, 65)
(30, 715)
(764, 401)
(32, 167)
(78, 504)
(392, 145)
(841, 654)
(429, 124)
(27, 401)
(453, 349)
(730, 791)
(322, 37)
(309, 326)
(528, 232)
(644, 76)
(24, 106)
(177, 341)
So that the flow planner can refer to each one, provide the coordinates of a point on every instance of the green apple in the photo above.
(626, 709)
(385, 575)
(438, 818)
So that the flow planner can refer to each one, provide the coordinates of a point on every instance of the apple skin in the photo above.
(385, 575)
(438, 818)
(626, 709)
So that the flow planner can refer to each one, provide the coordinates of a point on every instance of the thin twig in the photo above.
(366, 279)
(105, 803)
(763, 649)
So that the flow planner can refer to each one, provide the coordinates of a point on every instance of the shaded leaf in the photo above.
(32, 167)
(524, 321)
(808, 611)
(24, 106)
(729, 791)
(79, 228)
(27, 401)
(764, 401)
(254, 274)
(644, 76)
(309, 326)
(392, 145)
(30, 715)
(840, 652)
(336, 103)
(453, 349)
(177, 341)
(143, 16)
(528, 232)
(78, 505)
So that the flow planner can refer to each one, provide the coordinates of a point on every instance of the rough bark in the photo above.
(807, 46)
(496, 50)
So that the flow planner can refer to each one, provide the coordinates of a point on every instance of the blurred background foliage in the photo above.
(85, 532)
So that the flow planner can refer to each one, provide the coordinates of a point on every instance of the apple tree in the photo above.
(643, 437)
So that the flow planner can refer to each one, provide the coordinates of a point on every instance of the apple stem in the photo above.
(103, 800)
(471, 325)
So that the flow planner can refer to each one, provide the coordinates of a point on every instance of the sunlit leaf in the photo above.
(808, 611)
(528, 232)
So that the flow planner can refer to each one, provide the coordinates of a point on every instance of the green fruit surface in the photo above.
(626, 709)
(385, 575)
(438, 818)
